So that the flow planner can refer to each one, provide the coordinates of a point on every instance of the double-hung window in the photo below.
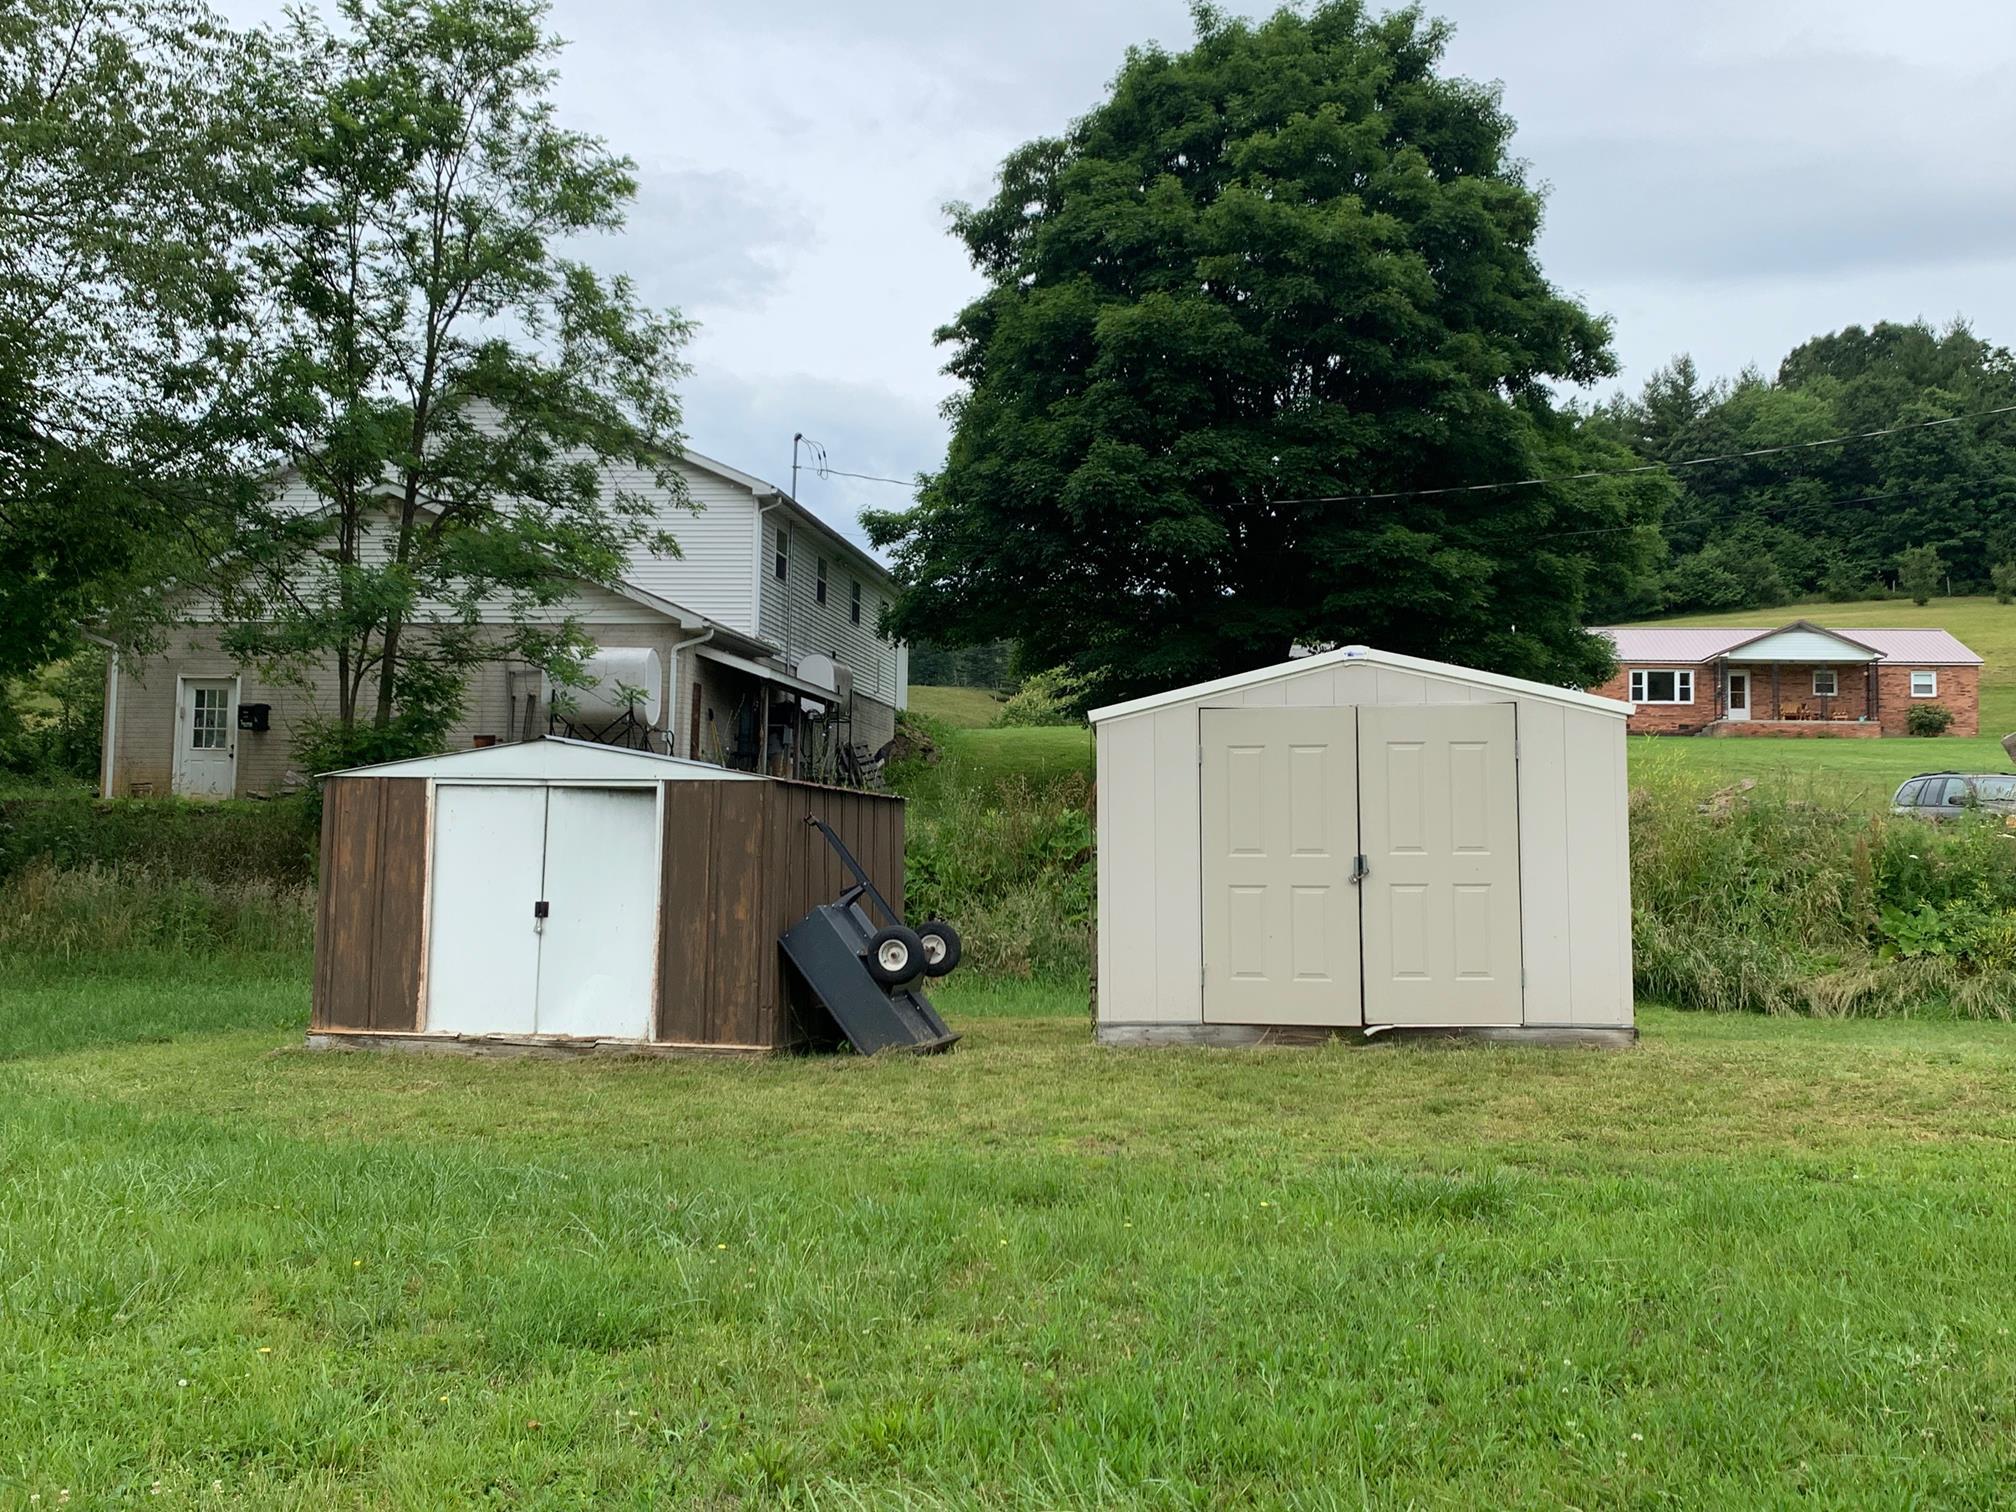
(1662, 685)
(783, 554)
(819, 588)
(1924, 684)
(854, 603)
(1826, 682)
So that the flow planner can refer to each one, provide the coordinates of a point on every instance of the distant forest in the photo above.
(1826, 522)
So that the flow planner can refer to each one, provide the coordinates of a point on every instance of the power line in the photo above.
(1643, 467)
(834, 472)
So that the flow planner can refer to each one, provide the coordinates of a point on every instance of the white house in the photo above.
(768, 656)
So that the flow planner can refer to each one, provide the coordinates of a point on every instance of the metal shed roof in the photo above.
(1700, 643)
(1519, 686)
(554, 758)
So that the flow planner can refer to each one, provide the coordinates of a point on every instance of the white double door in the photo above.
(543, 911)
(1361, 865)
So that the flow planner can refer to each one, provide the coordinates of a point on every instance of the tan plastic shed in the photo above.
(1357, 842)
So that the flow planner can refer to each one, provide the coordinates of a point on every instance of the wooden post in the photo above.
(1777, 704)
(1869, 703)
(763, 730)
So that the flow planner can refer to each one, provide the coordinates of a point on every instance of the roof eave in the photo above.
(1344, 655)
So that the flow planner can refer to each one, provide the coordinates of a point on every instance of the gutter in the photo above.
(672, 671)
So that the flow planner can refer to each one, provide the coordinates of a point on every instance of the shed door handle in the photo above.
(539, 909)
(1360, 871)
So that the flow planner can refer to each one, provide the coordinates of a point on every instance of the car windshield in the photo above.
(1995, 789)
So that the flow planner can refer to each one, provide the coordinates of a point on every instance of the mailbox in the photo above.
(254, 716)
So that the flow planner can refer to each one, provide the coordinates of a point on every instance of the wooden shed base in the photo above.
(552, 1046)
(1246, 1036)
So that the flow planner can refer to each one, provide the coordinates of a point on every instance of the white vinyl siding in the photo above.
(1924, 684)
(711, 575)
(1662, 685)
(794, 617)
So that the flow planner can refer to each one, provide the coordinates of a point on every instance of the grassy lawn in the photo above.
(1869, 769)
(967, 708)
(1755, 1261)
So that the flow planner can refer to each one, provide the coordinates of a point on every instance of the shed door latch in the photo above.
(539, 909)
(1359, 871)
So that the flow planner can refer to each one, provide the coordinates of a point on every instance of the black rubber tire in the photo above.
(941, 959)
(895, 955)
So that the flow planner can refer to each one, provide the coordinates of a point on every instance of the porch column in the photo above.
(1875, 683)
(1777, 708)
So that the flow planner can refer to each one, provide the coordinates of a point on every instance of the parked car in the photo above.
(1939, 796)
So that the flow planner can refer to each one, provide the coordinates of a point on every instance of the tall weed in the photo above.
(1010, 865)
(1780, 900)
(106, 911)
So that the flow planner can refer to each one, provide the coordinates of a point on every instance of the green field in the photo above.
(979, 750)
(965, 708)
(1755, 1261)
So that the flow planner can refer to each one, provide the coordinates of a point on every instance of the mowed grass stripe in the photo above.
(1753, 1261)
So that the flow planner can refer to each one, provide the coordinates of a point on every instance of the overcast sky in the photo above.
(1725, 177)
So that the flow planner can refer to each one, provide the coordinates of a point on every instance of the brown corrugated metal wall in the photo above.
(741, 866)
(372, 902)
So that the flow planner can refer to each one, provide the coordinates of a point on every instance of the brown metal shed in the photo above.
(564, 895)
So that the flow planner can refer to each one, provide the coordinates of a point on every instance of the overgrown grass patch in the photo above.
(1755, 1261)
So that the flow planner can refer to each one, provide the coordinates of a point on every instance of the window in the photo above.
(206, 726)
(819, 588)
(783, 554)
(1956, 791)
(1907, 795)
(1924, 684)
(1995, 789)
(1662, 685)
(1825, 683)
(854, 604)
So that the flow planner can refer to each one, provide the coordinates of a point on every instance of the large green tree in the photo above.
(1294, 261)
(471, 418)
(122, 328)
(1792, 517)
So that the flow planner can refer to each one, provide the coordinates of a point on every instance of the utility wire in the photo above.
(1643, 467)
(834, 472)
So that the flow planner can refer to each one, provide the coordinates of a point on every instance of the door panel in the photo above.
(1439, 822)
(601, 933)
(1280, 832)
(483, 957)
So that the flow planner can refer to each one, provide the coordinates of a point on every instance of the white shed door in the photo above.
(483, 948)
(1440, 827)
(206, 738)
(601, 931)
(1280, 841)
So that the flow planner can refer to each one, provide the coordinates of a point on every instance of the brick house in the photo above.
(1800, 679)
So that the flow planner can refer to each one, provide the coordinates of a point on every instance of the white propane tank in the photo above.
(599, 701)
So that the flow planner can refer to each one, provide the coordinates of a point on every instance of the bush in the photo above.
(1928, 719)
(1777, 903)
(222, 842)
(52, 724)
(1011, 867)
(1055, 697)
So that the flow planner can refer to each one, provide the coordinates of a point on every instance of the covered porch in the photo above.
(1801, 680)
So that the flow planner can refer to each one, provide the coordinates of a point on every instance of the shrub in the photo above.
(2003, 576)
(1055, 697)
(51, 724)
(1928, 719)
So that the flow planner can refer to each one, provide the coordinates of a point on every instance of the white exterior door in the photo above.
(1439, 820)
(1280, 844)
(206, 737)
(1739, 694)
(599, 940)
(483, 949)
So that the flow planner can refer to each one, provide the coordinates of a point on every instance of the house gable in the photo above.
(1801, 641)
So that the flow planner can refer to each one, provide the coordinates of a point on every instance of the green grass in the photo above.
(1755, 1261)
(965, 708)
(1869, 769)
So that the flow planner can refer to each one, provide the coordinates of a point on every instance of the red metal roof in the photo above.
(1702, 643)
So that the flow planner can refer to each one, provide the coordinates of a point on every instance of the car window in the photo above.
(1995, 789)
(1956, 790)
(1908, 794)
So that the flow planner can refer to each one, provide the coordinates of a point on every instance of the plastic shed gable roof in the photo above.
(1343, 655)
(552, 758)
